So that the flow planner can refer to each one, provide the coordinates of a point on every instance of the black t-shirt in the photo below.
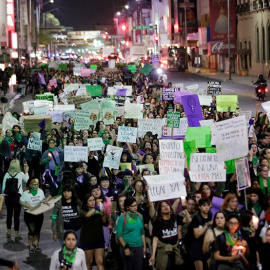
(198, 221)
(166, 231)
(71, 217)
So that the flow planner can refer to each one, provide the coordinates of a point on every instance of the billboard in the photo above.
(191, 16)
(219, 19)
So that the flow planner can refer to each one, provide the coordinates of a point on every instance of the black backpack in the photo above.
(12, 188)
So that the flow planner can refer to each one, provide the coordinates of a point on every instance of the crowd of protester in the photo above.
(105, 217)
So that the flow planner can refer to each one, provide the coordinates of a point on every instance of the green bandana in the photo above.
(257, 207)
(18, 137)
(69, 256)
(229, 239)
(9, 139)
(131, 217)
(34, 192)
(263, 187)
(52, 149)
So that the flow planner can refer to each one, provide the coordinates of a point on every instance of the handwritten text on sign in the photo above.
(127, 134)
(171, 149)
(95, 144)
(34, 144)
(164, 187)
(112, 158)
(75, 153)
(205, 167)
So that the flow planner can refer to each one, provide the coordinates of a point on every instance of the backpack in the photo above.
(12, 188)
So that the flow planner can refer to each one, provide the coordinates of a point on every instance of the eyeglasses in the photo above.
(233, 223)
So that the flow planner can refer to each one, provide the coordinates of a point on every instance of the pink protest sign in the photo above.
(53, 82)
(85, 72)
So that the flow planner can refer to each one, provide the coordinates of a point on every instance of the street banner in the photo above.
(150, 125)
(226, 103)
(214, 88)
(133, 111)
(178, 133)
(193, 110)
(127, 134)
(242, 173)
(168, 94)
(165, 187)
(75, 153)
(173, 119)
(82, 120)
(95, 144)
(198, 134)
(205, 167)
(232, 139)
(112, 157)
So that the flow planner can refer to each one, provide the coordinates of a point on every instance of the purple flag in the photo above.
(178, 96)
(121, 92)
(41, 78)
(42, 124)
(192, 109)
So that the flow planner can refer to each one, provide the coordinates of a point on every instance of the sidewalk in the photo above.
(222, 76)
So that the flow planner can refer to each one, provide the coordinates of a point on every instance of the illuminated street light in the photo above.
(126, 6)
(118, 13)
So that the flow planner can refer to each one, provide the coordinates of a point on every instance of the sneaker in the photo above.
(37, 248)
(31, 250)
(18, 237)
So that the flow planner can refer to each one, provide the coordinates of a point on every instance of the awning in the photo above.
(243, 52)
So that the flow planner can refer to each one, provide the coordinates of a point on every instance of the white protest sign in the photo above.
(205, 167)
(120, 111)
(82, 120)
(169, 166)
(150, 125)
(127, 134)
(34, 144)
(171, 149)
(41, 110)
(232, 137)
(128, 87)
(247, 115)
(71, 87)
(75, 153)
(210, 123)
(68, 114)
(164, 187)
(64, 108)
(77, 71)
(179, 85)
(36, 135)
(8, 122)
(56, 116)
(242, 173)
(112, 158)
(205, 100)
(266, 106)
(81, 91)
(95, 144)
(194, 88)
(177, 132)
(133, 110)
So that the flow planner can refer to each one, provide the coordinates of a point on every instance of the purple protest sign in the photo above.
(192, 109)
(121, 92)
(169, 93)
(178, 96)
(41, 78)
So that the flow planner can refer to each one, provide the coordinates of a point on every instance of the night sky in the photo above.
(82, 14)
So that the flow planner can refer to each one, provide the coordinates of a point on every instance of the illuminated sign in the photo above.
(14, 40)
(10, 15)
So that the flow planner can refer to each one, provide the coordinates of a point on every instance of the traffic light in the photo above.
(124, 27)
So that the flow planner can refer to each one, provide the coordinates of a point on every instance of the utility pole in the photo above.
(229, 40)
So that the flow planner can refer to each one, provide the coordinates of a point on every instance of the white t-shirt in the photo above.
(29, 199)
(20, 176)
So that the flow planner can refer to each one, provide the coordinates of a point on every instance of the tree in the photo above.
(44, 38)
(51, 21)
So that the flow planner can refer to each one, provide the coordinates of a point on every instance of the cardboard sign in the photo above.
(150, 125)
(95, 144)
(79, 99)
(169, 93)
(127, 134)
(49, 97)
(205, 167)
(173, 119)
(91, 105)
(85, 72)
(214, 88)
(31, 122)
(232, 139)
(82, 120)
(164, 187)
(41, 110)
(107, 116)
(189, 147)
(242, 173)
(205, 100)
(75, 153)
(112, 158)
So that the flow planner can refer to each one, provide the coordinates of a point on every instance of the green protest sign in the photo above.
(230, 164)
(93, 66)
(62, 66)
(146, 69)
(124, 166)
(208, 141)
(132, 68)
(94, 90)
(173, 119)
(44, 64)
(108, 104)
(198, 134)
(49, 97)
(210, 150)
(226, 101)
(189, 147)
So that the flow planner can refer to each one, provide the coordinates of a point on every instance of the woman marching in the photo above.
(29, 199)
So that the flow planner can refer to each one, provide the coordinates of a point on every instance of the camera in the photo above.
(64, 263)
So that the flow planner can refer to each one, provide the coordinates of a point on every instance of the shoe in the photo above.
(18, 238)
(37, 248)
(8, 235)
(32, 250)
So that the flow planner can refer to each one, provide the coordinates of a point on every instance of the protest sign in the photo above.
(198, 134)
(125, 166)
(68, 114)
(173, 119)
(49, 97)
(90, 105)
(56, 116)
(94, 116)
(146, 69)
(107, 104)
(133, 111)
(226, 101)
(34, 144)
(266, 106)
(82, 120)
(178, 96)
(189, 147)
(210, 150)
(170, 166)
(81, 91)
(205, 167)
(53, 82)
(120, 111)
(120, 100)
(8, 122)
(147, 166)
(53, 65)
(214, 88)
(242, 173)
(247, 115)
(177, 132)
(192, 109)
(150, 125)
(75, 153)
(233, 138)
(121, 92)
(155, 60)
(171, 149)
(79, 99)
(205, 100)
(95, 144)
(210, 123)
(108, 116)
(112, 158)
(94, 90)
(64, 108)
(194, 88)
(169, 93)
(179, 85)
(127, 134)
(85, 72)
(93, 66)
(71, 87)
(132, 68)
(62, 66)
(77, 71)
(164, 187)
(31, 122)
(41, 110)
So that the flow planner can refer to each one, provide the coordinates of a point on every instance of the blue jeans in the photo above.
(78, 233)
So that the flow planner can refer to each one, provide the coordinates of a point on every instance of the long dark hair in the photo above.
(102, 196)
(129, 201)
(74, 197)
(159, 214)
(214, 225)
(86, 198)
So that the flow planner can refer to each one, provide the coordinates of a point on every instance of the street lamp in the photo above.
(118, 13)
(126, 6)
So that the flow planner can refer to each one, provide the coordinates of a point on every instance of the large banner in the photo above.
(232, 139)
